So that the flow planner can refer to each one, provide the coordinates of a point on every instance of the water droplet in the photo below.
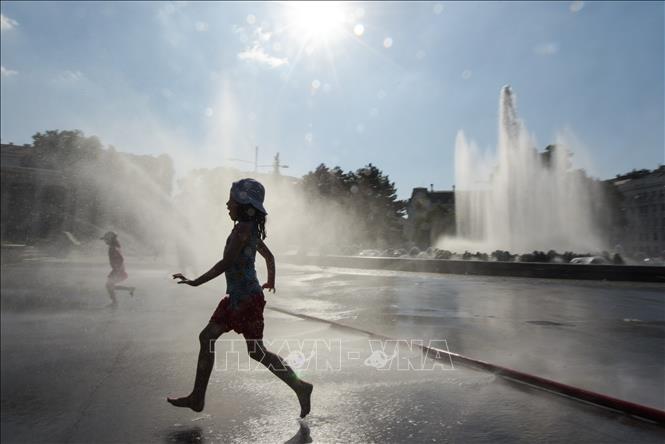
(309, 137)
(360, 128)
(359, 29)
(420, 54)
(208, 112)
(316, 84)
(381, 94)
(277, 47)
(373, 112)
(466, 74)
(387, 42)
(327, 88)
(438, 9)
(354, 189)
(251, 19)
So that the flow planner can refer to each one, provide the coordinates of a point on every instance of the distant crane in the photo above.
(256, 159)
(276, 164)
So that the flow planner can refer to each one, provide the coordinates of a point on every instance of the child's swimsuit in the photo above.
(242, 309)
(118, 273)
(241, 281)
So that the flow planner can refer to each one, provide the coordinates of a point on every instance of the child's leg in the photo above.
(129, 289)
(207, 338)
(279, 368)
(110, 289)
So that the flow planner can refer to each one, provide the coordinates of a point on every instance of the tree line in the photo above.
(132, 193)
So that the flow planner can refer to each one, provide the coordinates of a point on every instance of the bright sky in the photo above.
(341, 83)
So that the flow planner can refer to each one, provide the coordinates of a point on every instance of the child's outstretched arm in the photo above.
(264, 251)
(237, 241)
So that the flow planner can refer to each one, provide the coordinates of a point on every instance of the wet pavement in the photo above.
(74, 371)
(603, 336)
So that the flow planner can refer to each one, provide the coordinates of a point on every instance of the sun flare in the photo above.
(316, 21)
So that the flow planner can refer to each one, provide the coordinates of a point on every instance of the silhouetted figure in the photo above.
(118, 273)
(242, 309)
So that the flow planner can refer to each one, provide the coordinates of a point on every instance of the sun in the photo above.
(315, 21)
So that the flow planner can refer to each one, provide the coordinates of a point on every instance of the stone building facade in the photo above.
(41, 203)
(430, 214)
(31, 197)
(643, 207)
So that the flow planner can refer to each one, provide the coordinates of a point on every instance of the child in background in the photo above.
(118, 273)
(242, 309)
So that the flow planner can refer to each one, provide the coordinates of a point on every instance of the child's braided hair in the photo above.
(247, 213)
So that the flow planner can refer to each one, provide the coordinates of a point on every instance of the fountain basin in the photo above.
(631, 273)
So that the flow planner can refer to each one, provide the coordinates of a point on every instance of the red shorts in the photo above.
(246, 318)
(117, 275)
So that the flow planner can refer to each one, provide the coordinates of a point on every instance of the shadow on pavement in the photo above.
(302, 436)
(192, 435)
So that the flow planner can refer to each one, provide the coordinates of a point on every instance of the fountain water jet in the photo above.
(521, 200)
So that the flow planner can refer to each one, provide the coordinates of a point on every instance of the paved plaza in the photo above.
(75, 371)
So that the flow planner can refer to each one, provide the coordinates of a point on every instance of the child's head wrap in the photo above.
(249, 191)
(109, 235)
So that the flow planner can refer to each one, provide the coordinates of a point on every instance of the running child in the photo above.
(242, 309)
(118, 273)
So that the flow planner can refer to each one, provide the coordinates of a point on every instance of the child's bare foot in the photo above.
(304, 397)
(186, 401)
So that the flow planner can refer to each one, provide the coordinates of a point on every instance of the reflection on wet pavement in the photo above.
(85, 374)
(603, 336)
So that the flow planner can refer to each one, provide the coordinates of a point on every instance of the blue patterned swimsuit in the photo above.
(241, 280)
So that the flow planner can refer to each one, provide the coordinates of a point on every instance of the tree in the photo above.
(64, 150)
(367, 199)
(375, 200)
(324, 182)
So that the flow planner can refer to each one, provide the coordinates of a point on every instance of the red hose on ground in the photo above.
(629, 408)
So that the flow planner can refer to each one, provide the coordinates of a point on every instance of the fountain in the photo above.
(519, 199)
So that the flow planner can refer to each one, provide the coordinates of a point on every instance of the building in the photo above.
(430, 214)
(643, 207)
(31, 197)
(44, 198)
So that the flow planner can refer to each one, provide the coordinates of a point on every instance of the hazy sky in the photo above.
(345, 84)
